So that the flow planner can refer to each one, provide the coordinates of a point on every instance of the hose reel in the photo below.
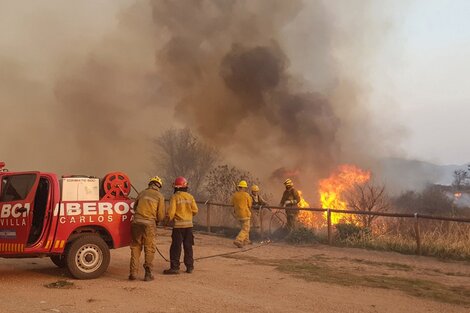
(116, 185)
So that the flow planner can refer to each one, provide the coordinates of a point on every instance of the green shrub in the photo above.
(347, 232)
(302, 235)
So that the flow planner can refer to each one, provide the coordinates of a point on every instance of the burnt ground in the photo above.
(272, 278)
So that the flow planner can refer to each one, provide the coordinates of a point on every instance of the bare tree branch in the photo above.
(460, 179)
(181, 153)
(368, 197)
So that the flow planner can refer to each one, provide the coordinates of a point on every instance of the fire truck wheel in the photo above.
(87, 257)
(59, 260)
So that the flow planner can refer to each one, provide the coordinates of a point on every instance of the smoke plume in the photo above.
(275, 85)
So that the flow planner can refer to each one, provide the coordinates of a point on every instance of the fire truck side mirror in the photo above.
(2, 167)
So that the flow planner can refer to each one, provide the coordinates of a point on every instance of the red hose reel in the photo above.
(117, 186)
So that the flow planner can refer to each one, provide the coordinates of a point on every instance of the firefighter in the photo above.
(242, 203)
(290, 198)
(181, 211)
(258, 203)
(149, 210)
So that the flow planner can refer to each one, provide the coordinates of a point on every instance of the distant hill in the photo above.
(402, 174)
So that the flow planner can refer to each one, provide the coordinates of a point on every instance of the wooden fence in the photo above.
(416, 216)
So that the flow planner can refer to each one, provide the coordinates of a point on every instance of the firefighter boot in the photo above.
(148, 274)
(171, 271)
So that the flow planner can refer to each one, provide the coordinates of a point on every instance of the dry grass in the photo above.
(315, 270)
(443, 240)
(415, 287)
(390, 265)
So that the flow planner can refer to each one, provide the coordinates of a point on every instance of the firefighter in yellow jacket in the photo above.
(181, 211)
(149, 209)
(242, 203)
(291, 199)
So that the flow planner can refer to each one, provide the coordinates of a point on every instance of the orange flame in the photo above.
(332, 189)
(305, 217)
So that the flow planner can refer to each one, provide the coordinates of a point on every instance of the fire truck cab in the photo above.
(74, 220)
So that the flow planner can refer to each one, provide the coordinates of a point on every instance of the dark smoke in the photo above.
(234, 85)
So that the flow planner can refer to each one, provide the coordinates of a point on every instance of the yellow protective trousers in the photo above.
(292, 217)
(244, 234)
(143, 236)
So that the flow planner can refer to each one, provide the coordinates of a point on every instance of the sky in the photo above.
(423, 72)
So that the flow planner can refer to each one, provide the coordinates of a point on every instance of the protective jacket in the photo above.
(258, 201)
(182, 209)
(149, 207)
(242, 203)
(291, 196)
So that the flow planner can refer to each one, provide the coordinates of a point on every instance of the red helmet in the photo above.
(180, 182)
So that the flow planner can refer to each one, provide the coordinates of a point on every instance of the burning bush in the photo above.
(333, 190)
(347, 188)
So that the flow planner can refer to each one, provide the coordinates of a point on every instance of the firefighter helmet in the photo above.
(288, 183)
(180, 182)
(157, 181)
(243, 184)
(254, 188)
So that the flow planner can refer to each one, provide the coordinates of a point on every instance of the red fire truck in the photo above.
(74, 220)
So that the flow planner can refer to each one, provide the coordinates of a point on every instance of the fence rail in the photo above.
(415, 216)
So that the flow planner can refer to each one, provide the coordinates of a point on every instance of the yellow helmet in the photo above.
(243, 184)
(157, 180)
(288, 182)
(254, 188)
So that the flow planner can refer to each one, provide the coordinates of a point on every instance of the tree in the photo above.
(432, 200)
(408, 202)
(460, 179)
(181, 153)
(222, 182)
(368, 197)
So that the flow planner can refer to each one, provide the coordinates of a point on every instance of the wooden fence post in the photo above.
(330, 237)
(418, 237)
(208, 217)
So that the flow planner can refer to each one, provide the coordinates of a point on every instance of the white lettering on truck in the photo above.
(92, 212)
(9, 210)
(11, 216)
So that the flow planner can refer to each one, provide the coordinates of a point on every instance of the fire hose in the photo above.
(262, 244)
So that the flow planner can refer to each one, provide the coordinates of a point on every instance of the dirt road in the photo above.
(271, 278)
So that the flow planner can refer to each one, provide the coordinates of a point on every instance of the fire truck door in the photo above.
(16, 201)
(37, 217)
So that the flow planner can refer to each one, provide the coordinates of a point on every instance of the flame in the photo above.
(332, 190)
(305, 217)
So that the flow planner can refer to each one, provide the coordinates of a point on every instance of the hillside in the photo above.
(402, 174)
